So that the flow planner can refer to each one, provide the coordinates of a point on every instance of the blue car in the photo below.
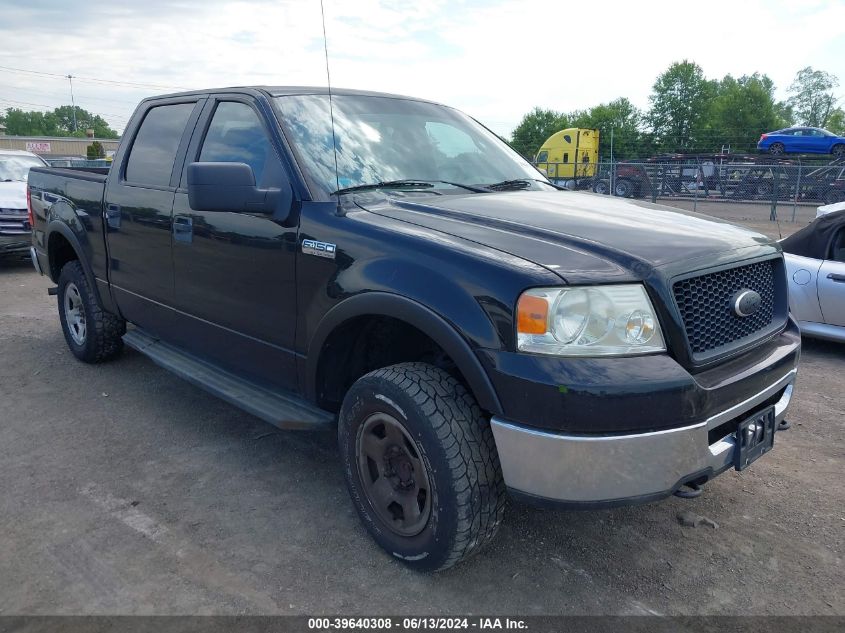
(802, 140)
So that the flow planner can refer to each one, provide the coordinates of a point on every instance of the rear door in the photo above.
(138, 205)
(235, 282)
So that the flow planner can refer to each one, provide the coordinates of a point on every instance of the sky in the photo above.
(494, 59)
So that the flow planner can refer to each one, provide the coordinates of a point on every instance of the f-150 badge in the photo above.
(320, 249)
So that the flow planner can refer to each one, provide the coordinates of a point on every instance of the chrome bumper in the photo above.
(617, 469)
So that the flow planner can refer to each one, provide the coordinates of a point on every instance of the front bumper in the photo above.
(14, 244)
(607, 470)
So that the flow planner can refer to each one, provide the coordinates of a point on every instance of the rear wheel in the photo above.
(601, 186)
(421, 465)
(624, 188)
(92, 334)
(776, 149)
(838, 150)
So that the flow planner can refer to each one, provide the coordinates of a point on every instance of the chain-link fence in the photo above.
(777, 183)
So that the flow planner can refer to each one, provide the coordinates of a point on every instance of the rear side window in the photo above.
(237, 136)
(154, 150)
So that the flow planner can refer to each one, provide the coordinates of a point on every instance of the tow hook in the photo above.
(783, 425)
(689, 491)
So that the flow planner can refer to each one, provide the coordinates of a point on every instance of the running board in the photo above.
(282, 409)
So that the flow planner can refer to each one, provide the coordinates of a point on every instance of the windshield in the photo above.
(17, 167)
(384, 139)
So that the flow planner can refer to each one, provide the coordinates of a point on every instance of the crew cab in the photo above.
(388, 266)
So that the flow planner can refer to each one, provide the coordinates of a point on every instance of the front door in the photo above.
(832, 282)
(234, 272)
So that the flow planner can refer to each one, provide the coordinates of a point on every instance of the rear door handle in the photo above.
(183, 229)
(836, 277)
(113, 216)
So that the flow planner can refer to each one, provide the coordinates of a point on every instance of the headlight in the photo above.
(616, 320)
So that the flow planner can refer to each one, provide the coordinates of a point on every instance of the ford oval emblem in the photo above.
(746, 302)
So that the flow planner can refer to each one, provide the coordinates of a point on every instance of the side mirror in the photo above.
(230, 187)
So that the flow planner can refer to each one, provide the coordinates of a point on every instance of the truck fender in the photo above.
(62, 228)
(427, 321)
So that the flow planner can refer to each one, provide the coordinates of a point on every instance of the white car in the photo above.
(815, 266)
(14, 219)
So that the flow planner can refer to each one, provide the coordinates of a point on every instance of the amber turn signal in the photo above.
(532, 315)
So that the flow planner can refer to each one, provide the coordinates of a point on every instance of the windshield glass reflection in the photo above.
(382, 139)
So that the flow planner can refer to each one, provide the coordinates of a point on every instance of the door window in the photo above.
(236, 135)
(154, 150)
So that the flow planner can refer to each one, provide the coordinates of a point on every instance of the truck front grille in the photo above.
(706, 306)
(14, 222)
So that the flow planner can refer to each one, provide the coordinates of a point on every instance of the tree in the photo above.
(679, 102)
(740, 111)
(58, 122)
(95, 150)
(836, 121)
(622, 118)
(812, 97)
(535, 128)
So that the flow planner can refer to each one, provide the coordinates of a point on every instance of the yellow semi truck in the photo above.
(569, 154)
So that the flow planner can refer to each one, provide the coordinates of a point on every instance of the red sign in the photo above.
(40, 147)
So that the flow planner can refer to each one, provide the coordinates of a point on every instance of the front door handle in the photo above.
(183, 229)
(836, 277)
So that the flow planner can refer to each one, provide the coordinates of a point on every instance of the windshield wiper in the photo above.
(518, 184)
(407, 184)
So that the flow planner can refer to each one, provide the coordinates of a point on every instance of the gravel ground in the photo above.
(127, 491)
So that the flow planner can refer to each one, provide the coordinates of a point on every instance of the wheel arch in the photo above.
(384, 304)
(60, 238)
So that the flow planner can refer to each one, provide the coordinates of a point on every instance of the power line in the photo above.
(44, 105)
(90, 79)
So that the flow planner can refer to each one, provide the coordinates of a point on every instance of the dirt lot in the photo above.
(126, 490)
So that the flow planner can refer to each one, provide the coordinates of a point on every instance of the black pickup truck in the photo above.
(471, 330)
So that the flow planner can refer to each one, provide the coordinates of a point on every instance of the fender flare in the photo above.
(377, 303)
(57, 226)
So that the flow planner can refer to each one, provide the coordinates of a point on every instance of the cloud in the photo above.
(495, 60)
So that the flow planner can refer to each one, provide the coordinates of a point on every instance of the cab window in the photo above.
(153, 153)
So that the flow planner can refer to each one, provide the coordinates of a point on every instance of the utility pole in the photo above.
(72, 102)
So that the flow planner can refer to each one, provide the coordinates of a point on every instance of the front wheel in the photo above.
(421, 465)
(92, 334)
(838, 150)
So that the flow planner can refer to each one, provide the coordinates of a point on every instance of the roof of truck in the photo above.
(279, 91)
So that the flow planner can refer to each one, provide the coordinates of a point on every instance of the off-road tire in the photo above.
(455, 442)
(103, 329)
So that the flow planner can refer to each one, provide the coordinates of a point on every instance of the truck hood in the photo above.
(13, 195)
(579, 236)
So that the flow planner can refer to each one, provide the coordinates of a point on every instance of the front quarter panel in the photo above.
(472, 287)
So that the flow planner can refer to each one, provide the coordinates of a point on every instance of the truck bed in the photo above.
(76, 196)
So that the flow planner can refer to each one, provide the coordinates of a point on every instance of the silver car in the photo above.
(815, 265)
